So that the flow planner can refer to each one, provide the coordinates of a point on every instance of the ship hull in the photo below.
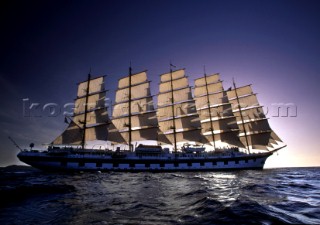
(76, 162)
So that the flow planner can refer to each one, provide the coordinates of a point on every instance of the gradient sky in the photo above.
(48, 46)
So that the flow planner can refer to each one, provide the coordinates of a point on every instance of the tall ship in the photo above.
(200, 128)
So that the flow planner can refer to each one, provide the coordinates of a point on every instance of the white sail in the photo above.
(213, 115)
(90, 119)
(215, 112)
(255, 131)
(258, 140)
(185, 136)
(220, 125)
(241, 91)
(176, 112)
(255, 125)
(139, 91)
(212, 88)
(97, 132)
(140, 120)
(99, 116)
(217, 120)
(172, 76)
(95, 101)
(209, 79)
(247, 101)
(72, 135)
(250, 113)
(96, 85)
(180, 95)
(180, 123)
(137, 107)
(114, 135)
(176, 84)
(135, 79)
(140, 134)
(137, 121)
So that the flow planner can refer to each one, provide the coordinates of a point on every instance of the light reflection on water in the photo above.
(268, 196)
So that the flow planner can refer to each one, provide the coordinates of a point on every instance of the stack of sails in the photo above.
(255, 132)
(89, 106)
(136, 95)
(177, 116)
(217, 120)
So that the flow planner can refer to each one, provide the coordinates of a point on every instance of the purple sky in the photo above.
(48, 46)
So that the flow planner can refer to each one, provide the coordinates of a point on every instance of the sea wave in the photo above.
(273, 196)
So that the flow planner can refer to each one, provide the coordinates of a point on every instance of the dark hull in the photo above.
(88, 162)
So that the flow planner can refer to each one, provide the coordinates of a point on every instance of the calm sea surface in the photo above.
(269, 196)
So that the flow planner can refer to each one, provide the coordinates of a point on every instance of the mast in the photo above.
(210, 115)
(241, 116)
(129, 108)
(172, 108)
(85, 113)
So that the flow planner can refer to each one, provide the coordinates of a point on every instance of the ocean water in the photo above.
(270, 196)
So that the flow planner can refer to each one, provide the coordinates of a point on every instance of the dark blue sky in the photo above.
(48, 46)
